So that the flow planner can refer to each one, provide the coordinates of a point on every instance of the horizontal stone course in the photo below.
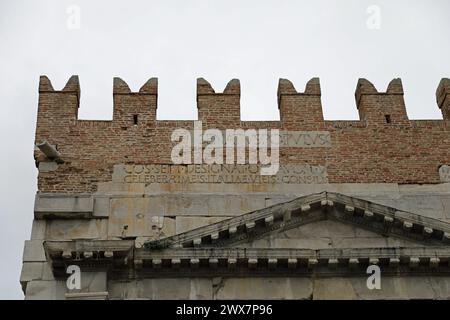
(349, 288)
(49, 205)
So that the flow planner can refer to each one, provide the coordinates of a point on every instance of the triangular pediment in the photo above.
(325, 213)
(327, 234)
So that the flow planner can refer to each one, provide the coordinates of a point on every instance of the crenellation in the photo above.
(364, 87)
(73, 86)
(395, 87)
(45, 84)
(285, 87)
(204, 87)
(134, 109)
(120, 86)
(369, 150)
(233, 87)
(381, 108)
(313, 87)
(150, 87)
(300, 109)
(219, 110)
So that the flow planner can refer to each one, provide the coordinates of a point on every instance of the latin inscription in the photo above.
(224, 173)
(302, 139)
(305, 139)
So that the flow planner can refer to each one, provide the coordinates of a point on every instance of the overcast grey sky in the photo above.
(180, 40)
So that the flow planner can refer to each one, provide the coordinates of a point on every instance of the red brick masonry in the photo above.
(383, 146)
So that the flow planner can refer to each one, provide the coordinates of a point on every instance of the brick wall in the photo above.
(383, 146)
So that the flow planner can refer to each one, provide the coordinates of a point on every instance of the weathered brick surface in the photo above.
(383, 146)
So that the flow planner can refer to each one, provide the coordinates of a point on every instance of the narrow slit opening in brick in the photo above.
(135, 119)
(388, 118)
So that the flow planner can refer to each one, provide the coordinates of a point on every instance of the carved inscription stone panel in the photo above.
(305, 139)
(218, 173)
(294, 139)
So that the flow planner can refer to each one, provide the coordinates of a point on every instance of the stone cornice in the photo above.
(90, 254)
(273, 262)
(128, 262)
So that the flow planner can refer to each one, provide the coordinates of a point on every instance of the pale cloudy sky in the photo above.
(179, 40)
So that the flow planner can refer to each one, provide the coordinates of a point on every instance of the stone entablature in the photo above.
(234, 261)
(63, 234)
(226, 250)
(215, 244)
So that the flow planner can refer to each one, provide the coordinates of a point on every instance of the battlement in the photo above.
(383, 146)
(302, 109)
